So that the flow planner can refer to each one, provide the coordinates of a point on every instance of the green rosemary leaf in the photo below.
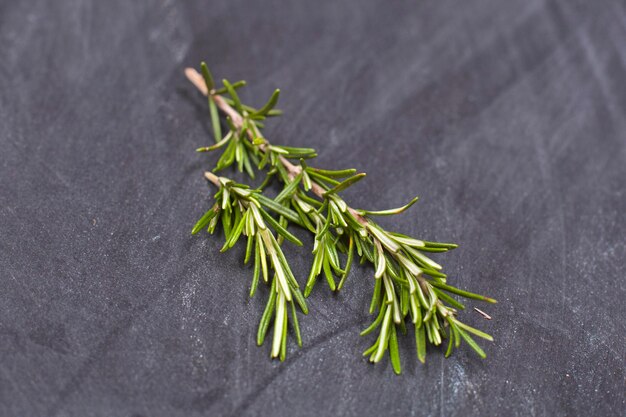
(219, 144)
(274, 113)
(315, 270)
(339, 202)
(372, 348)
(281, 275)
(420, 342)
(368, 251)
(267, 315)
(390, 211)
(264, 160)
(423, 259)
(348, 264)
(324, 179)
(445, 297)
(227, 157)
(431, 272)
(208, 78)
(472, 343)
(462, 293)
(293, 284)
(256, 117)
(279, 229)
(213, 223)
(267, 179)
(383, 237)
(296, 153)
(328, 274)
(255, 275)
(239, 152)
(333, 258)
(283, 342)
(323, 208)
(279, 209)
(247, 166)
(297, 295)
(234, 235)
(450, 344)
(375, 295)
(300, 156)
(320, 235)
(376, 323)
(248, 249)
(289, 189)
(433, 250)
(226, 222)
(279, 325)
(380, 262)
(270, 104)
(306, 181)
(263, 258)
(296, 326)
(215, 121)
(393, 351)
(394, 272)
(354, 224)
(455, 330)
(303, 218)
(205, 219)
(416, 311)
(337, 215)
(283, 223)
(429, 332)
(384, 334)
(411, 268)
(328, 173)
(233, 95)
(421, 297)
(236, 85)
(473, 330)
(427, 317)
(278, 150)
(441, 245)
(404, 301)
(346, 183)
(232, 126)
(308, 199)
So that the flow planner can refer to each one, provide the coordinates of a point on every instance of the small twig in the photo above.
(482, 313)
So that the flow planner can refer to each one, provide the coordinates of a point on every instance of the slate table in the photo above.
(508, 119)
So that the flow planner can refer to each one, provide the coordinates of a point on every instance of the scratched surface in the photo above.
(507, 118)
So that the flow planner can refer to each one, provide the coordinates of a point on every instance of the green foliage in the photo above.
(409, 286)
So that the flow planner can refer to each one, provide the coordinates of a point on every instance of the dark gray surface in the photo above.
(507, 118)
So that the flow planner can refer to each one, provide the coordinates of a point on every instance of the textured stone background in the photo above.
(507, 118)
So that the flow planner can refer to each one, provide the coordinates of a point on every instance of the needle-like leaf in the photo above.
(279, 229)
(206, 74)
(346, 183)
(270, 104)
(394, 354)
(390, 211)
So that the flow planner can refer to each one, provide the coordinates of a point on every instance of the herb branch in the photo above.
(409, 287)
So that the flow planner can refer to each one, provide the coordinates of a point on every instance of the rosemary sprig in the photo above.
(408, 285)
(241, 213)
